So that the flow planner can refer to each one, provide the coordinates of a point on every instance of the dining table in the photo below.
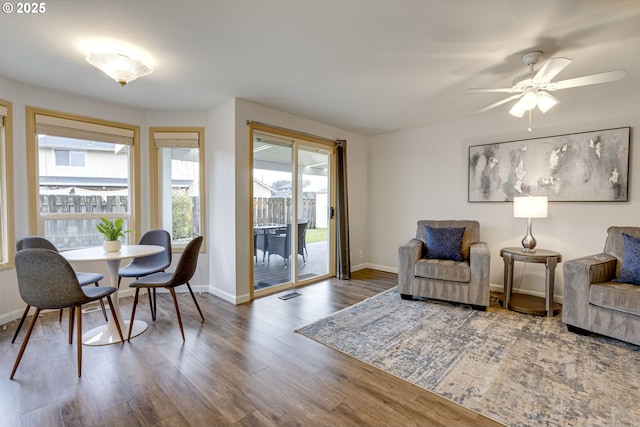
(108, 334)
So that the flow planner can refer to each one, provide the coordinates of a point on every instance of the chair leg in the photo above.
(115, 318)
(104, 311)
(194, 300)
(175, 302)
(152, 303)
(71, 316)
(133, 313)
(24, 316)
(24, 343)
(79, 339)
(60, 316)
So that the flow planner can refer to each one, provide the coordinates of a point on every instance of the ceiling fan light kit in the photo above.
(532, 88)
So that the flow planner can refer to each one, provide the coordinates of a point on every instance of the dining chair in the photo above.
(143, 266)
(280, 243)
(181, 276)
(46, 281)
(84, 278)
(260, 243)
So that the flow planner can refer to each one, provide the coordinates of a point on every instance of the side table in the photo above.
(528, 303)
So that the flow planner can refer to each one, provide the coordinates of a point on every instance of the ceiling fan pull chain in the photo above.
(529, 121)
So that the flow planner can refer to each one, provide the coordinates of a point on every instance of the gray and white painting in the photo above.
(588, 166)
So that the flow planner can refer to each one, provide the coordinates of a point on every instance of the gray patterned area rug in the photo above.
(518, 369)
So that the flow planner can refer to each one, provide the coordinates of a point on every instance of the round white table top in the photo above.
(97, 253)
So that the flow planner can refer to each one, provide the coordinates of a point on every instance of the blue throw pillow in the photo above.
(445, 243)
(630, 268)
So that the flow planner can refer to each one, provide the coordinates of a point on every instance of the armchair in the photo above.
(465, 280)
(593, 299)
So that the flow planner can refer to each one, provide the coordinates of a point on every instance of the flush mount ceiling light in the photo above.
(119, 67)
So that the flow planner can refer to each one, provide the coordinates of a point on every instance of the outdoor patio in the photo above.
(274, 272)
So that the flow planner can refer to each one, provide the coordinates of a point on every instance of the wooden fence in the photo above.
(53, 204)
(79, 232)
(278, 210)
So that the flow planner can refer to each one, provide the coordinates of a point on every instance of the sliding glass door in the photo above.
(291, 211)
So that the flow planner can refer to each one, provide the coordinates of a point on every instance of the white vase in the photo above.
(111, 245)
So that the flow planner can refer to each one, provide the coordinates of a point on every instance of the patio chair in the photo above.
(84, 279)
(46, 281)
(184, 272)
(143, 266)
(280, 244)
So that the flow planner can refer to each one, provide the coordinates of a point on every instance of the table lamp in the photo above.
(530, 207)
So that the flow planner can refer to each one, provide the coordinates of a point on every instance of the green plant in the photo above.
(182, 208)
(112, 229)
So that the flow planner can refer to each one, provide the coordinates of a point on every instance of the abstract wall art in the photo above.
(586, 166)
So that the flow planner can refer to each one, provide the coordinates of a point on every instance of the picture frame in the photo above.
(579, 167)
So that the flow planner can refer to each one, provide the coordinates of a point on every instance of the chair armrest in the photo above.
(408, 254)
(480, 264)
(578, 275)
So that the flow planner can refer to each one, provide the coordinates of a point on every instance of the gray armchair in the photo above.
(593, 302)
(466, 281)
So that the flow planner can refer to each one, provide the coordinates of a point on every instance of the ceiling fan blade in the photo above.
(501, 89)
(499, 103)
(551, 69)
(593, 79)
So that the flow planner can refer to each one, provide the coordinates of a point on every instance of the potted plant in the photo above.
(112, 230)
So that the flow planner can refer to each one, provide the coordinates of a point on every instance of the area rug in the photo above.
(517, 369)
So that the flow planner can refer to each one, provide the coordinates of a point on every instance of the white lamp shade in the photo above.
(546, 101)
(529, 100)
(530, 207)
(517, 110)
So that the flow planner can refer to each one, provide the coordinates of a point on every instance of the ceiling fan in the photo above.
(533, 87)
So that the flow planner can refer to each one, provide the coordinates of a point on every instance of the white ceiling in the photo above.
(369, 66)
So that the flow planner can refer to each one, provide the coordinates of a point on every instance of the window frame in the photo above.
(155, 173)
(36, 222)
(7, 225)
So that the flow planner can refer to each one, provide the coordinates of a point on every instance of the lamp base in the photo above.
(529, 242)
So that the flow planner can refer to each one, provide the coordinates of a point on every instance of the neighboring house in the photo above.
(80, 167)
(260, 189)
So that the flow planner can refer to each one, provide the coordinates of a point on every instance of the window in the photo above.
(177, 161)
(70, 158)
(83, 169)
(6, 184)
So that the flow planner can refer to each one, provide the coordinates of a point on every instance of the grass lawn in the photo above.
(316, 235)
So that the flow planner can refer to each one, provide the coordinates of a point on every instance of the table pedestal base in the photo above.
(108, 334)
(529, 304)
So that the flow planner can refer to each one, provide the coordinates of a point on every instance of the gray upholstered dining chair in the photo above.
(143, 266)
(46, 281)
(181, 276)
(84, 278)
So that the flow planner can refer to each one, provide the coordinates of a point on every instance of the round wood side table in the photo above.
(528, 303)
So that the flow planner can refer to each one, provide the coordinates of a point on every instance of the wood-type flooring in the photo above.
(244, 366)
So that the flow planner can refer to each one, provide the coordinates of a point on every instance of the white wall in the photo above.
(422, 173)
